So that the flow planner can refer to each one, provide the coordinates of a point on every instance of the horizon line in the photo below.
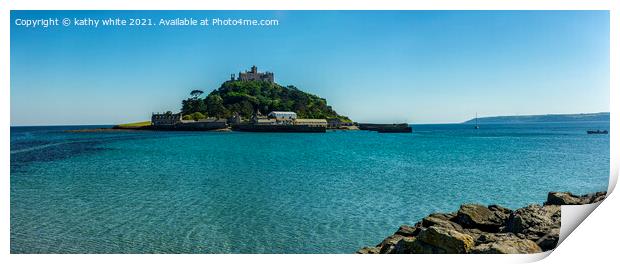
(409, 123)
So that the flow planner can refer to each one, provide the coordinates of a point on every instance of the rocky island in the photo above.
(252, 101)
(490, 229)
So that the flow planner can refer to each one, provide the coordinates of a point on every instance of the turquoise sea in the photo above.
(218, 192)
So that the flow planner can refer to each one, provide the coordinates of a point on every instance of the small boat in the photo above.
(598, 132)
(477, 126)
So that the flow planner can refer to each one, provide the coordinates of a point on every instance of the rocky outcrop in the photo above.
(537, 223)
(505, 243)
(482, 229)
(567, 198)
(438, 239)
(489, 219)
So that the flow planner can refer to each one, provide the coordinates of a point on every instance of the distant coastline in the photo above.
(584, 117)
(516, 119)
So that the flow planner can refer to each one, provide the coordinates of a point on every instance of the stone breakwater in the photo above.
(485, 229)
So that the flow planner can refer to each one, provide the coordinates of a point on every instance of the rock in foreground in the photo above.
(485, 230)
(567, 198)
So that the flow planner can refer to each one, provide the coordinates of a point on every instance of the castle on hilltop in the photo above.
(253, 75)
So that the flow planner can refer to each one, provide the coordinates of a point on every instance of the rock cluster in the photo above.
(485, 229)
(566, 198)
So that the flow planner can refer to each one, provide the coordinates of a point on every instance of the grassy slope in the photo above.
(134, 125)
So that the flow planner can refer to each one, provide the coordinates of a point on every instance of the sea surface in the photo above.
(236, 192)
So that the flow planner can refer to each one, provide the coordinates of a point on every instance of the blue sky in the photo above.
(389, 66)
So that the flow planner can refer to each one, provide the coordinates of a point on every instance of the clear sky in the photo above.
(390, 66)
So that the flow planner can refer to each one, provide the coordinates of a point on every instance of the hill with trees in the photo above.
(246, 97)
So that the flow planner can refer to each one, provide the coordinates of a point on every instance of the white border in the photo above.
(6, 6)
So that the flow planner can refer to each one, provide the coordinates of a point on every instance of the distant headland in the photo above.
(585, 117)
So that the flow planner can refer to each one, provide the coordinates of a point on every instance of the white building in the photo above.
(283, 116)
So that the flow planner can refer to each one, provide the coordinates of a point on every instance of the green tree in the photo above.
(198, 115)
(192, 105)
(245, 97)
(215, 106)
(196, 93)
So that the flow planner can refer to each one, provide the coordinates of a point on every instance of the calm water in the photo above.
(136, 192)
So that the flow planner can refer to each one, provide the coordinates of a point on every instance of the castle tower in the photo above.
(254, 75)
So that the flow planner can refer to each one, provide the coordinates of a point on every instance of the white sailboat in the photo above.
(477, 126)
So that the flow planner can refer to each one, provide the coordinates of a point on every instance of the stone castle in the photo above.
(253, 75)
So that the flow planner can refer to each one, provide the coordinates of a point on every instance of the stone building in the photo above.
(254, 75)
(165, 119)
(333, 123)
(259, 119)
(285, 118)
(336, 123)
(311, 122)
(203, 124)
(235, 119)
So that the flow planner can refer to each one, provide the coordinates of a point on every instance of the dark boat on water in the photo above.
(598, 132)
(394, 129)
(386, 128)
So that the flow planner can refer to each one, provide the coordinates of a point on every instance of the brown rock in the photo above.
(479, 229)
(563, 198)
(474, 233)
(368, 250)
(599, 196)
(507, 244)
(388, 245)
(405, 246)
(536, 223)
(448, 240)
(550, 240)
(567, 198)
(481, 217)
(420, 247)
(407, 231)
(443, 220)
(502, 212)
